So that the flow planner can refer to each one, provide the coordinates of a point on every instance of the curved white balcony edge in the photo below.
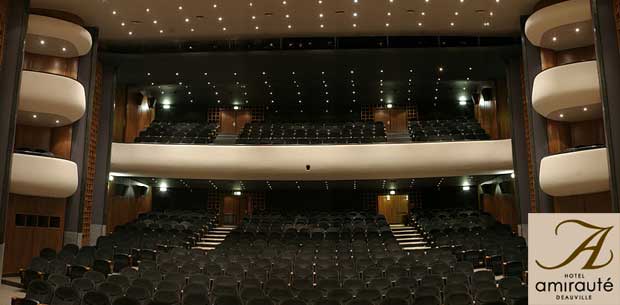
(575, 173)
(556, 16)
(55, 100)
(327, 162)
(48, 36)
(43, 176)
(566, 90)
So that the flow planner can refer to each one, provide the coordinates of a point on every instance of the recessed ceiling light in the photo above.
(554, 38)
(113, 12)
(154, 21)
(577, 30)
(419, 23)
(387, 24)
(161, 31)
(219, 18)
(389, 13)
(34, 116)
(321, 15)
(321, 26)
(42, 41)
(585, 108)
(57, 121)
(451, 23)
(122, 23)
(354, 25)
(64, 49)
(224, 29)
(456, 13)
(186, 19)
(561, 115)
(148, 9)
(354, 14)
(130, 33)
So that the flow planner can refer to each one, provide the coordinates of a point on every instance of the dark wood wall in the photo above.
(26, 237)
(130, 116)
(121, 209)
(494, 115)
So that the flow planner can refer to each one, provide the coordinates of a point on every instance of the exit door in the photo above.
(395, 120)
(395, 208)
(232, 121)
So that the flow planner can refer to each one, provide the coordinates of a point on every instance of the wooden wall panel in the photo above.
(548, 59)
(4, 6)
(502, 207)
(123, 209)
(504, 115)
(23, 243)
(120, 112)
(486, 115)
(590, 203)
(558, 136)
(33, 137)
(60, 142)
(56, 65)
(587, 133)
(137, 119)
(575, 55)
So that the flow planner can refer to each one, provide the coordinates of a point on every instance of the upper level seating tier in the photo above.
(446, 130)
(178, 133)
(313, 133)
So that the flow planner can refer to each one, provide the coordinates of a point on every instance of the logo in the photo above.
(596, 249)
(571, 259)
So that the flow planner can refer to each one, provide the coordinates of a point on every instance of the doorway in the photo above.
(395, 208)
(234, 208)
(232, 121)
(395, 119)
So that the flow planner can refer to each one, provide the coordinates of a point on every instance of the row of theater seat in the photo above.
(250, 268)
(446, 130)
(178, 133)
(313, 133)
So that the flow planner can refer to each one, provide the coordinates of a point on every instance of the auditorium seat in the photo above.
(460, 129)
(178, 133)
(312, 133)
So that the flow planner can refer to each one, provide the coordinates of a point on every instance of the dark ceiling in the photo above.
(314, 80)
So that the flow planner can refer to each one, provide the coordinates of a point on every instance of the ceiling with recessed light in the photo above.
(315, 80)
(139, 21)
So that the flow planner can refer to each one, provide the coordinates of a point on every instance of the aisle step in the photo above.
(410, 239)
(412, 243)
(407, 235)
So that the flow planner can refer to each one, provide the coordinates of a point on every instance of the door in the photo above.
(398, 120)
(232, 121)
(393, 207)
(383, 115)
(242, 118)
(227, 122)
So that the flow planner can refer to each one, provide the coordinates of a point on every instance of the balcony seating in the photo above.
(312, 133)
(178, 133)
(446, 130)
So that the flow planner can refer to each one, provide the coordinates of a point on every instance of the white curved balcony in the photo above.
(568, 92)
(33, 175)
(56, 37)
(561, 26)
(327, 162)
(50, 100)
(575, 173)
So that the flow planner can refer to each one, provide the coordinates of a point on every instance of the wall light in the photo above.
(110, 178)
(163, 187)
(512, 175)
(237, 193)
(236, 107)
(392, 192)
(466, 188)
(390, 106)
(166, 106)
